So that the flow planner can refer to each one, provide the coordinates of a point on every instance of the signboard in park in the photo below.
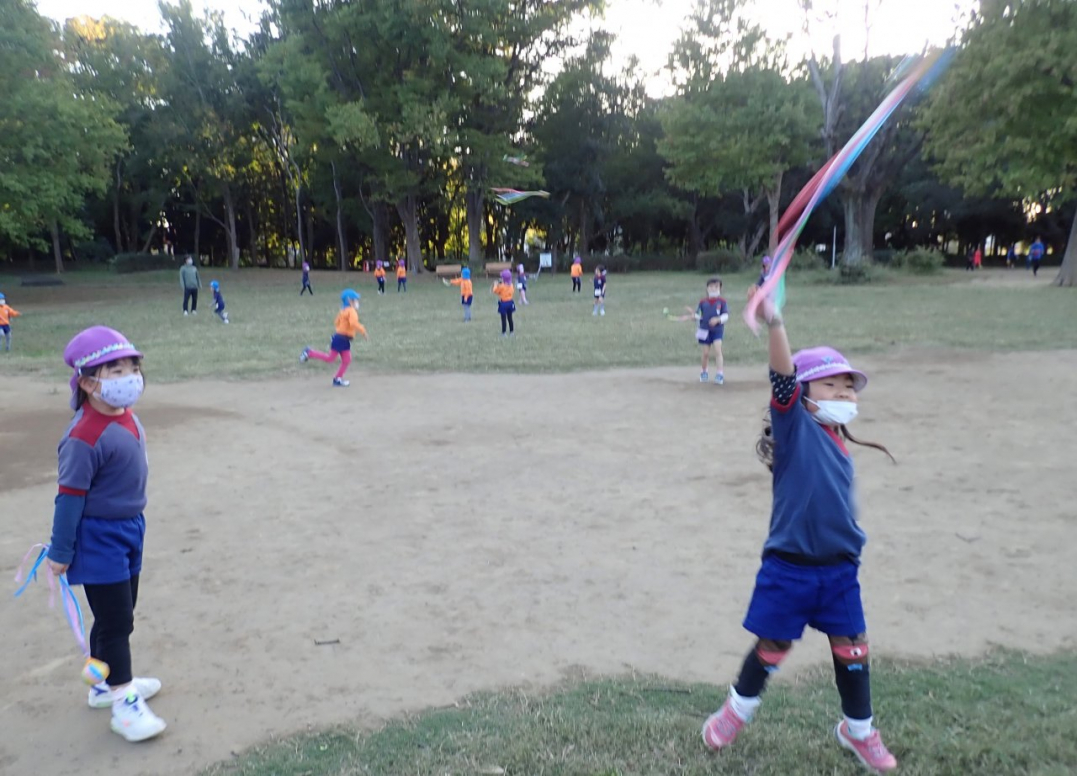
(546, 260)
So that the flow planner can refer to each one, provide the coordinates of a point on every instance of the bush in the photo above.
(622, 262)
(807, 259)
(124, 263)
(921, 261)
(97, 252)
(856, 274)
(720, 260)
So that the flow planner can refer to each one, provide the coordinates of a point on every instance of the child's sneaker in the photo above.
(101, 694)
(719, 379)
(132, 719)
(602, 312)
(340, 382)
(871, 751)
(721, 728)
(594, 312)
(304, 357)
(703, 377)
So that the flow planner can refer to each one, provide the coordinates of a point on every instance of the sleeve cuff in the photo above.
(66, 491)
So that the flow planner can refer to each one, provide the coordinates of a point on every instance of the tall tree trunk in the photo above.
(585, 230)
(342, 239)
(860, 207)
(197, 236)
(1067, 273)
(120, 245)
(409, 214)
(695, 234)
(233, 238)
(252, 234)
(380, 216)
(56, 252)
(310, 232)
(490, 225)
(475, 204)
(774, 203)
(303, 247)
(149, 239)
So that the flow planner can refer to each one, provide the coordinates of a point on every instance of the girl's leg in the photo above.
(706, 357)
(719, 359)
(328, 358)
(523, 296)
(113, 608)
(345, 362)
(512, 329)
(504, 323)
(852, 674)
(722, 727)
(7, 340)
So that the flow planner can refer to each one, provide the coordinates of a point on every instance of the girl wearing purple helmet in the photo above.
(379, 275)
(811, 557)
(98, 527)
(505, 306)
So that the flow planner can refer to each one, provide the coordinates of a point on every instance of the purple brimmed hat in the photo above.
(506, 275)
(817, 363)
(95, 346)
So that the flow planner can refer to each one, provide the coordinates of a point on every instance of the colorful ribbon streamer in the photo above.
(72, 609)
(920, 75)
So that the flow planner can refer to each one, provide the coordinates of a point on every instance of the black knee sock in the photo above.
(854, 687)
(113, 608)
(753, 677)
(504, 324)
(511, 327)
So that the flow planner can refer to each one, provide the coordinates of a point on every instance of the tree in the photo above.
(1004, 118)
(56, 146)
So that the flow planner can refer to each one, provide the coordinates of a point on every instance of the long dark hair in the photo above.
(764, 448)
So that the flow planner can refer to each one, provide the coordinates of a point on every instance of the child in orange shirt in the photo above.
(347, 326)
(505, 306)
(466, 291)
(401, 276)
(577, 275)
(6, 314)
(379, 275)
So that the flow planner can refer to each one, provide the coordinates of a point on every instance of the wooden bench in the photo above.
(497, 267)
(41, 280)
(448, 270)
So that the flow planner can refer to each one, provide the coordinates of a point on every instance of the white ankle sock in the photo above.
(858, 728)
(743, 707)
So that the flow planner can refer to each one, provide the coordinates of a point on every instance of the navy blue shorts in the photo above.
(713, 335)
(787, 597)
(340, 343)
(5, 328)
(506, 307)
(467, 300)
(107, 551)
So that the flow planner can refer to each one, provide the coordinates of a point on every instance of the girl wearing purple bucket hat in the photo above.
(98, 525)
(505, 306)
(808, 575)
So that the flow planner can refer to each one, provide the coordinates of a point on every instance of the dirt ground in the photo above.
(464, 532)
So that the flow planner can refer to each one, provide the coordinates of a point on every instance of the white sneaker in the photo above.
(101, 694)
(184, 312)
(133, 719)
(602, 312)
(340, 382)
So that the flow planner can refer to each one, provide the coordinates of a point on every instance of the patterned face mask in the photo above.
(120, 392)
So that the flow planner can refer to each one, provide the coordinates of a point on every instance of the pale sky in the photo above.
(648, 28)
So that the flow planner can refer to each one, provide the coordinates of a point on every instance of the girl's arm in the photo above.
(65, 523)
(781, 356)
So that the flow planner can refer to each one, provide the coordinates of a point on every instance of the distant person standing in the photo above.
(978, 258)
(1035, 256)
(190, 282)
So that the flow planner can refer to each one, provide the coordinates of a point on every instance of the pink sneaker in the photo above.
(721, 728)
(871, 751)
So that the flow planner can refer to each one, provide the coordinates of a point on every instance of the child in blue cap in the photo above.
(346, 327)
(6, 314)
(466, 291)
(218, 301)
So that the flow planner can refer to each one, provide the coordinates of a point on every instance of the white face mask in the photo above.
(834, 413)
(714, 294)
(120, 392)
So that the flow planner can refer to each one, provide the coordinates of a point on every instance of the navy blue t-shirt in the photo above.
(711, 308)
(814, 511)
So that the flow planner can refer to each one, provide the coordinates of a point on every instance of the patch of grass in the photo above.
(421, 331)
(1006, 714)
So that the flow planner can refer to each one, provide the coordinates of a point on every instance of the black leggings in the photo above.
(113, 608)
(190, 294)
(506, 318)
(577, 284)
(306, 287)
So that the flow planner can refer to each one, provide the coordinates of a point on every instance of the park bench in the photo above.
(448, 270)
(497, 267)
(41, 280)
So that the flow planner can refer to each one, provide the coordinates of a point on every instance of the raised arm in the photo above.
(781, 356)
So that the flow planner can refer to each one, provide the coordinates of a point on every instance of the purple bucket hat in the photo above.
(506, 275)
(95, 346)
(817, 363)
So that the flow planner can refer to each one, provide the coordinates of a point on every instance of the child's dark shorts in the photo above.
(467, 300)
(5, 328)
(788, 597)
(506, 307)
(706, 337)
(340, 343)
(107, 551)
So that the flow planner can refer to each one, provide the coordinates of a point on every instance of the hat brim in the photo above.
(860, 380)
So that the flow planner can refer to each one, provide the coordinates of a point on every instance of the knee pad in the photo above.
(852, 656)
(771, 659)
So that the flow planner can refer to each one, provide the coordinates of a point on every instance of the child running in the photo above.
(577, 275)
(306, 280)
(467, 295)
(600, 291)
(98, 526)
(521, 283)
(401, 276)
(347, 326)
(712, 313)
(218, 301)
(6, 314)
(810, 561)
(379, 275)
(505, 306)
